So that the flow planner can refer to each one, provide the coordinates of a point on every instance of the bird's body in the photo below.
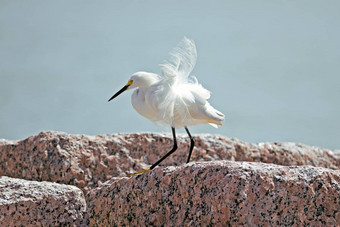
(177, 104)
(174, 97)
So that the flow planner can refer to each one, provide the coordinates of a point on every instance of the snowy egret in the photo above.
(173, 98)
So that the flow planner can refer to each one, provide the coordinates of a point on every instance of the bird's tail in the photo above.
(215, 116)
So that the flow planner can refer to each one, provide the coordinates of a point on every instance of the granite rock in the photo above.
(88, 161)
(220, 193)
(31, 203)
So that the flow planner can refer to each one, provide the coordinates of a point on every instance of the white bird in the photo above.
(173, 98)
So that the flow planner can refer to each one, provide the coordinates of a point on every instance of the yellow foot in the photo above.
(143, 171)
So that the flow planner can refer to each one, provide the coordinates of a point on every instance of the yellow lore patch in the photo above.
(130, 82)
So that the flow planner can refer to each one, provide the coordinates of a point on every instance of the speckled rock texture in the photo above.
(31, 203)
(88, 161)
(220, 193)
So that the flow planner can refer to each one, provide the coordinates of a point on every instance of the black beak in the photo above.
(119, 92)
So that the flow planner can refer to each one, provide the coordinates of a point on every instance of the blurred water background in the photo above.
(272, 66)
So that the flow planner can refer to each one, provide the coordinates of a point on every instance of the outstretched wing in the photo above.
(181, 62)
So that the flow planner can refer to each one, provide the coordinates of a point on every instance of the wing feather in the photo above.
(181, 62)
(178, 97)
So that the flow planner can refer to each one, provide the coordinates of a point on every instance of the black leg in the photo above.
(170, 152)
(192, 144)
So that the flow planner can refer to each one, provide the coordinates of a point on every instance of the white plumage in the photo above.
(174, 97)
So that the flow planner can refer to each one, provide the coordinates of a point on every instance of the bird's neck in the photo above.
(151, 79)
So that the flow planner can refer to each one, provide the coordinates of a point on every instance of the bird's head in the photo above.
(138, 79)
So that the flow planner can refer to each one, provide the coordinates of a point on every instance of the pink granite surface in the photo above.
(280, 184)
(88, 161)
(32, 203)
(220, 193)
